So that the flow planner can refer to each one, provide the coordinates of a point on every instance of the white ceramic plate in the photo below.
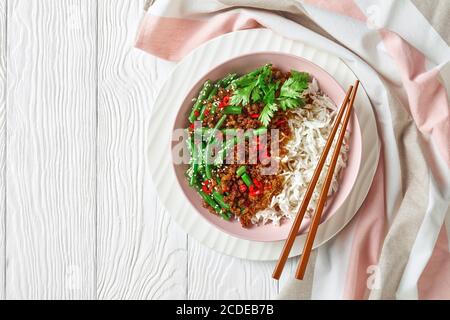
(170, 98)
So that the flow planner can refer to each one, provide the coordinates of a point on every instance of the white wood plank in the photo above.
(288, 274)
(141, 254)
(51, 137)
(2, 143)
(217, 276)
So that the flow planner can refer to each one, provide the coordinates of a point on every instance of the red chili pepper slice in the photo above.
(226, 100)
(191, 126)
(254, 115)
(196, 113)
(242, 187)
(257, 183)
(254, 191)
(207, 186)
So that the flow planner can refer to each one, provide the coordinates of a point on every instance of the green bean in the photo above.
(204, 92)
(208, 166)
(202, 172)
(214, 107)
(227, 80)
(193, 177)
(204, 169)
(205, 106)
(208, 171)
(219, 199)
(232, 110)
(202, 133)
(207, 134)
(188, 174)
(241, 170)
(213, 92)
(220, 123)
(194, 164)
(247, 180)
(214, 130)
(202, 112)
(221, 83)
(190, 145)
(211, 138)
(202, 130)
(225, 215)
(210, 201)
(228, 145)
(207, 153)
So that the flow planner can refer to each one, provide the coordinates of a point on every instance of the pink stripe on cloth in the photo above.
(173, 38)
(370, 223)
(427, 97)
(429, 107)
(434, 282)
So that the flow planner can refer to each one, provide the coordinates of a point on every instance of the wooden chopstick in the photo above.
(307, 197)
(324, 193)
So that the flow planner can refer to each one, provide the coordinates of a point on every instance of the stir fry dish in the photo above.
(253, 141)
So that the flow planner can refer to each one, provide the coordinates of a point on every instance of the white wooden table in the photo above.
(79, 217)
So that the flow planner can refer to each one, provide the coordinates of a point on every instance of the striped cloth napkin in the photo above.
(397, 246)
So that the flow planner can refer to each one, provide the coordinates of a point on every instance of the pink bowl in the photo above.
(328, 85)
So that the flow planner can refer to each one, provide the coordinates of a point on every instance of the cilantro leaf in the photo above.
(292, 89)
(270, 107)
(250, 85)
(267, 113)
(258, 86)
(242, 95)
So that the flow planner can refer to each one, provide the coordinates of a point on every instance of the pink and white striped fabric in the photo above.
(398, 244)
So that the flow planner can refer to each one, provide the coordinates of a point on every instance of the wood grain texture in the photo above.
(2, 144)
(288, 274)
(217, 276)
(51, 134)
(141, 254)
(83, 219)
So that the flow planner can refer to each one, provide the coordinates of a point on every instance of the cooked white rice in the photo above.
(310, 127)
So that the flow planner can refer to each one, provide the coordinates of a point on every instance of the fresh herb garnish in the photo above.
(270, 107)
(292, 89)
(258, 86)
(250, 85)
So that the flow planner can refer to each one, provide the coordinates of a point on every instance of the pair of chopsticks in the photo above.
(346, 108)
